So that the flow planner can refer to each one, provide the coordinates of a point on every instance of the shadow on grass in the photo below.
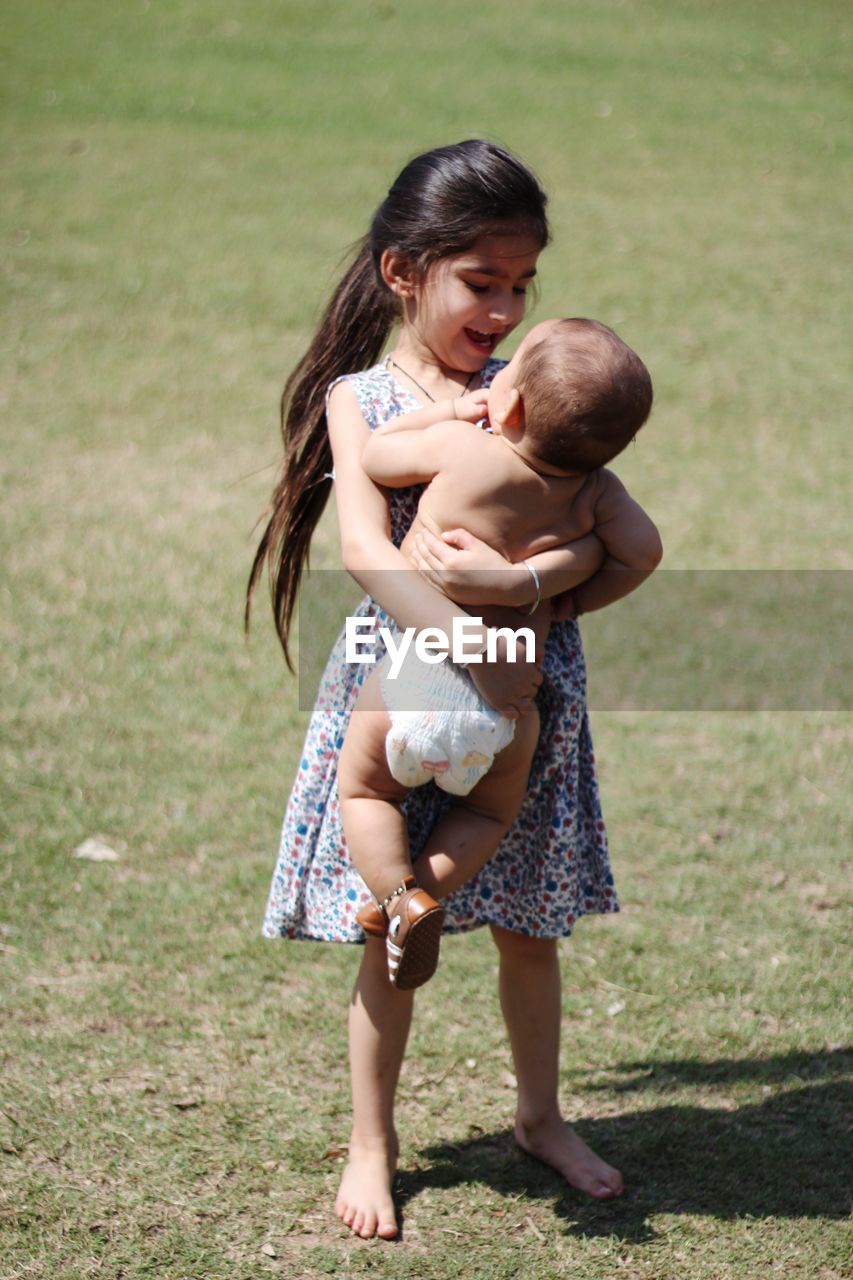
(783, 1157)
(794, 1068)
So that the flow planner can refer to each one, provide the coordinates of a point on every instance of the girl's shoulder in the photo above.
(378, 394)
(377, 375)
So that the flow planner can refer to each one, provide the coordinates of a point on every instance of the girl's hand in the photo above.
(465, 568)
(472, 406)
(509, 687)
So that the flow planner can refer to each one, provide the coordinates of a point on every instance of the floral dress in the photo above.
(551, 867)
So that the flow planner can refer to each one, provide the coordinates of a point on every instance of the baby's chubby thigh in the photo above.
(362, 765)
(501, 792)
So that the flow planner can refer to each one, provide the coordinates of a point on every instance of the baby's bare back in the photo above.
(486, 488)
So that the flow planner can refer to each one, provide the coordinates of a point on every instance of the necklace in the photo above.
(423, 390)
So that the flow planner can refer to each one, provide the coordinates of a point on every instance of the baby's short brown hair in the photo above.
(585, 395)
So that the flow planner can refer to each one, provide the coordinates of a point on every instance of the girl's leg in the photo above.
(530, 1000)
(379, 1021)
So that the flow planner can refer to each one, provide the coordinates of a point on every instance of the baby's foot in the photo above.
(555, 1143)
(364, 1201)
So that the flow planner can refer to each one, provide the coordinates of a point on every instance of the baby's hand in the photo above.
(564, 607)
(471, 407)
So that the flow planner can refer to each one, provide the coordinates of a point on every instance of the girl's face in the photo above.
(468, 303)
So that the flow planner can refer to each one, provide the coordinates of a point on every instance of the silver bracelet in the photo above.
(538, 585)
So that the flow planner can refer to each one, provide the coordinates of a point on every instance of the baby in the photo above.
(571, 398)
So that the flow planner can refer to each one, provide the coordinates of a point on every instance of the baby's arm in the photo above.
(632, 551)
(398, 459)
(466, 408)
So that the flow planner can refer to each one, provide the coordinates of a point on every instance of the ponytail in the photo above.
(350, 337)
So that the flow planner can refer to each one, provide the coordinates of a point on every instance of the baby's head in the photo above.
(575, 394)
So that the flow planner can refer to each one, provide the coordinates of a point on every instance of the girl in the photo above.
(450, 254)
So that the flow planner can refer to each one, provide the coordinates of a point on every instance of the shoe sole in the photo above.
(417, 961)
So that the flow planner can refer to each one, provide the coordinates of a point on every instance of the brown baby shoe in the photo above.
(411, 922)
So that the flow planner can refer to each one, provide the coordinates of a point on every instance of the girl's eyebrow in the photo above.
(478, 270)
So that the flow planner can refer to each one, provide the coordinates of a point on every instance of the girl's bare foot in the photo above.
(364, 1201)
(555, 1143)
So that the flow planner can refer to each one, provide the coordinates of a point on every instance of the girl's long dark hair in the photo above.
(441, 203)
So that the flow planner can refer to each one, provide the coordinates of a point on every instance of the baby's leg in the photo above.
(370, 797)
(462, 842)
(378, 845)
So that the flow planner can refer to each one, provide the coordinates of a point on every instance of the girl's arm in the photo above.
(632, 547)
(473, 573)
(377, 565)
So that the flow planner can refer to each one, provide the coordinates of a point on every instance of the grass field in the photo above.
(180, 183)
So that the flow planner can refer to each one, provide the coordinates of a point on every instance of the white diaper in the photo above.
(441, 729)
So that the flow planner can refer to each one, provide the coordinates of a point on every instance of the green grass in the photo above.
(180, 184)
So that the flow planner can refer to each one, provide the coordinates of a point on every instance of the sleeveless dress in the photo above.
(552, 866)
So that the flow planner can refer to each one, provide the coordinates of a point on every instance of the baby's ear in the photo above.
(513, 414)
